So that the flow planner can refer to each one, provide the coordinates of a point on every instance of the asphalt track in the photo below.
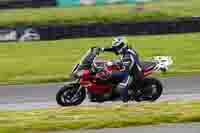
(164, 128)
(21, 97)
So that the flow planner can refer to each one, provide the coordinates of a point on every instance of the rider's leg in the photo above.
(118, 76)
(124, 85)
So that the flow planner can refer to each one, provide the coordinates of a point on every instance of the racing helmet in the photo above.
(118, 44)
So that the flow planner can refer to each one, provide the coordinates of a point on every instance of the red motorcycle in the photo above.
(89, 78)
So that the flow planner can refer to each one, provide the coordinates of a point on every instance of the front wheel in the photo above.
(71, 95)
(149, 90)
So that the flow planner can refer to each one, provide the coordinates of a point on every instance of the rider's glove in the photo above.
(98, 50)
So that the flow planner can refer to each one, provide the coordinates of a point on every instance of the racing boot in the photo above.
(124, 96)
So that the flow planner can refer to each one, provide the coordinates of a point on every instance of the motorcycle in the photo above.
(89, 78)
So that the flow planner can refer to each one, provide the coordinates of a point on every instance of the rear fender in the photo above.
(146, 73)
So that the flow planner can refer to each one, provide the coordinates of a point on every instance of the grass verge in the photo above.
(158, 10)
(94, 117)
(52, 61)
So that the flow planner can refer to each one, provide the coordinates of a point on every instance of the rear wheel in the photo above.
(149, 90)
(71, 95)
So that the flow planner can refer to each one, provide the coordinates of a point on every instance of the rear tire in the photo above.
(65, 94)
(150, 90)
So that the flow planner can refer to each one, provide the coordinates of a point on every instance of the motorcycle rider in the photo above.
(130, 60)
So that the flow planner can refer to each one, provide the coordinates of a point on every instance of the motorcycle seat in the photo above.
(147, 65)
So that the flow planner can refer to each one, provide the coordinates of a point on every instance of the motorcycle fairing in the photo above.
(89, 82)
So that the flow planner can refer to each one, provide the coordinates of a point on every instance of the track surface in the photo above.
(20, 97)
(166, 128)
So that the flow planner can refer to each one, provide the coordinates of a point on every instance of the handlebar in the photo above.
(96, 50)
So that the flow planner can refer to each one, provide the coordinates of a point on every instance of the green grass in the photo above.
(91, 117)
(158, 10)
(50, 61)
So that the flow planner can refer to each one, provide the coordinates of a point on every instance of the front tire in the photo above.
(70, 95)
(150, 90)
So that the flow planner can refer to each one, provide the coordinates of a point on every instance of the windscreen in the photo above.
(88, 57)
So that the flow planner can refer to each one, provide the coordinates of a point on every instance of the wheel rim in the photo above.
(149, 92)
(70, 96)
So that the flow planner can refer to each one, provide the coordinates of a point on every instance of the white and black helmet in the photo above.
(118, 44)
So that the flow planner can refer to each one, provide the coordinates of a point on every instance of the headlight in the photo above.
(79, 74)
(109, 63)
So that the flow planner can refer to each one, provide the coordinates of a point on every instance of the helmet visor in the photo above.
(118, 49)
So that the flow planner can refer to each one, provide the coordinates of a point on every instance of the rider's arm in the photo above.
(131, 63)
(107, 49)
(99, 50)
(128, 61)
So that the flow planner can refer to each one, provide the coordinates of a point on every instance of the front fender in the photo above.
(72, 83)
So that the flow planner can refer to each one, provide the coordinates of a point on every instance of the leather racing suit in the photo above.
(130, 60)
